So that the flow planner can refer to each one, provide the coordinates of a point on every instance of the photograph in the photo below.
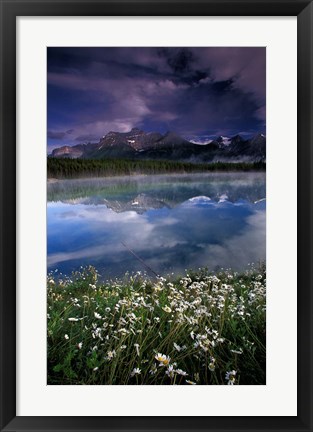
(156, 215)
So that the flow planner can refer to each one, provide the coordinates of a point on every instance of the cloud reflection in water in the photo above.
(196, 232)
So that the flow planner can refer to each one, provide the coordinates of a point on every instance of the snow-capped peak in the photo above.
(224, 140)
(201, 141)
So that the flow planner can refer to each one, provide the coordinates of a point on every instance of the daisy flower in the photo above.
(170, 371)
(230, 377)
(135, 371)
(163, 359)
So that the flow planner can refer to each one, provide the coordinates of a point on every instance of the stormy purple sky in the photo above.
(198, 93)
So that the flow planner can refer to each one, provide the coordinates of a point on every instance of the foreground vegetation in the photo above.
(202, 328)
(76, 168)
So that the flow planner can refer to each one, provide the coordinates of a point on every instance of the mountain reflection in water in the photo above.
(172, 223)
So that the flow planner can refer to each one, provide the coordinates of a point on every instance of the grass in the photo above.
(202, 328)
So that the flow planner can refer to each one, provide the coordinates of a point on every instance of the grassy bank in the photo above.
(202, 328)
(79, 168)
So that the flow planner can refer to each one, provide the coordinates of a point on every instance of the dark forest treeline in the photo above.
(77, 168)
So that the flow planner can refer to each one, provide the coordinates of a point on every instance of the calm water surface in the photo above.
(171, 223)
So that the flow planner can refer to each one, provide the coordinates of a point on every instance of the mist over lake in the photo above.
(171, 223)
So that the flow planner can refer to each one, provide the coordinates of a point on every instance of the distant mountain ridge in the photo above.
(137, 144)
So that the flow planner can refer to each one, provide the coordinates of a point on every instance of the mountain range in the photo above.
(143, 202)
(138, 144)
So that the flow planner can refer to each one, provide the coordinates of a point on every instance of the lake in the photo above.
(156, 224)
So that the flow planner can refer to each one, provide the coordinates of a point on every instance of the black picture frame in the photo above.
(10, 9)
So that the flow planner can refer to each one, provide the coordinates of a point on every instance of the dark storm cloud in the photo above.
(179, 60)
(56, 135)
(87, 138)
(192, 91)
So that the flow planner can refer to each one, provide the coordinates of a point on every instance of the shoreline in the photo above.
(53, 180)
(89, 176)
(84, 168)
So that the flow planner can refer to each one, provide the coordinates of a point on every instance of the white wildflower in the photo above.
(111, 354)
(237, 351)
(212, 366)
(135, 371)
(170, 371)
(177, 347)
(163, 359)
(137, 348)
(181, 372)
(230, 377)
